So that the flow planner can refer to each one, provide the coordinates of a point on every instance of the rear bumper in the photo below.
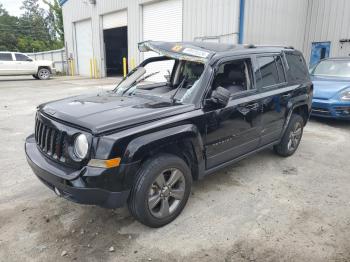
(72, 184)
(330, 109)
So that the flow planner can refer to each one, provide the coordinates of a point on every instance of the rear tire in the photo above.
(161, 190)
(291, 138)
(44, 74)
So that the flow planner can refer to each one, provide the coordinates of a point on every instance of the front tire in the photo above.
(291, 138)
(161, 190)
(36, 76)
(44, 74)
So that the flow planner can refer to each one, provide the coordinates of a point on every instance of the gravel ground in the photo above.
(264, 208)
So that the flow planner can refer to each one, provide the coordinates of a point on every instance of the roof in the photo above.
(203, 51)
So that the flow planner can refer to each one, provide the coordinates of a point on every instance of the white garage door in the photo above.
(113, 20)
(83, 38)
(162, 21)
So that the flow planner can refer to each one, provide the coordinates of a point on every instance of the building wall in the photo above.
(275, 22)
(328, 21)
(202, 20)
(288, 22)
(211, 20)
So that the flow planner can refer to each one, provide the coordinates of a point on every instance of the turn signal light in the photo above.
(109, 163)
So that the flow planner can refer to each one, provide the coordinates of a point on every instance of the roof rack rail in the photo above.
(283, 46)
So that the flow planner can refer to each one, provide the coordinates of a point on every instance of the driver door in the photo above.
(234, 130)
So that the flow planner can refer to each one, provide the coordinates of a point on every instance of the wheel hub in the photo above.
(165, 192)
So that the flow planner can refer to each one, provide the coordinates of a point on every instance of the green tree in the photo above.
(35, 30)
(8, 37)
(56, 18)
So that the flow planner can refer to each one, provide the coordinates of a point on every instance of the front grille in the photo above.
(50, 140)
(320, 111)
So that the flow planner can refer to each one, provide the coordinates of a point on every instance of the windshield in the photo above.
(170, 79)
(336, 68)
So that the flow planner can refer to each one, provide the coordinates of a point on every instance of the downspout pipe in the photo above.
(241, 21)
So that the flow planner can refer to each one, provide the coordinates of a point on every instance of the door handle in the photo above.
(245, 109)
(287, 96)
(252, 106)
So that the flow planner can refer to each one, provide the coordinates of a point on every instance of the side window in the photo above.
(20, 57)
(279, 64)
(297, 69)
(268, 72)
(5, 57)
(235, 76)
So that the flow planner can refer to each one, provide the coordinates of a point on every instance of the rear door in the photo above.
(234, 130)
(275, 93)
(24, 64)
(7, 64)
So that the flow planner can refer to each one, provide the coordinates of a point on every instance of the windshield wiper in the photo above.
(172, 97)
(142, 79)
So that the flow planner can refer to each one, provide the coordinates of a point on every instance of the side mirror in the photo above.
(220, 96)
(29, 59)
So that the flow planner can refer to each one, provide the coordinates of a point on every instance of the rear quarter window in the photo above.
(296, 68)
(270, 71)
(5, 57)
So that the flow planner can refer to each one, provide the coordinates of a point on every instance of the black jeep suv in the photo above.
(144, 142)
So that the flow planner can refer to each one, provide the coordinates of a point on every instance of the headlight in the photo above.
(345, 96)
(81, 146)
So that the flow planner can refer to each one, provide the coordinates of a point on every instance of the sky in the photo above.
(13, 6)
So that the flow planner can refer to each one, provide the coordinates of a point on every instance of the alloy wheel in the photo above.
(166, 193)
(44, 73)
(294, 137)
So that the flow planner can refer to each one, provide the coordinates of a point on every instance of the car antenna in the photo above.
(172, 98)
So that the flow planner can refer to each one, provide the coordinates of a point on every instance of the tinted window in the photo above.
(267, 74)
(5, 57)
(296, 70)
(20, 57)
(279, 64)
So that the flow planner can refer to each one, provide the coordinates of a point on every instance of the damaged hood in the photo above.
(177, 50)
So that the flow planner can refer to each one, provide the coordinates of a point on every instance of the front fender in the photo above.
(142, 146)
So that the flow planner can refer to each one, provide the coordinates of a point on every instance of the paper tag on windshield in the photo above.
(195, 52)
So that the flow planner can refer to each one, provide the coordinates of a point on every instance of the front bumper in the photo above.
(330, 108)
(84, 186)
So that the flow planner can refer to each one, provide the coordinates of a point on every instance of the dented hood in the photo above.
(177, 50)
